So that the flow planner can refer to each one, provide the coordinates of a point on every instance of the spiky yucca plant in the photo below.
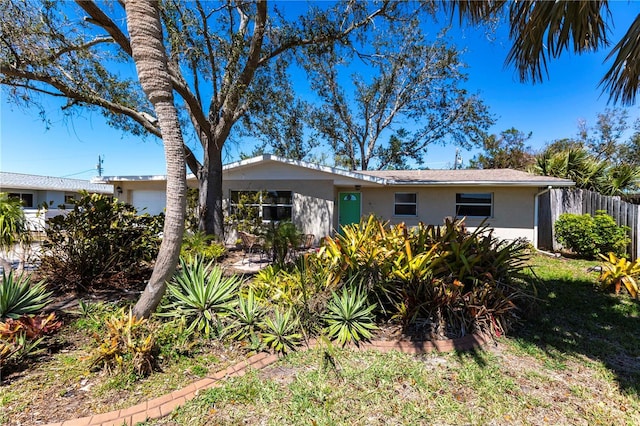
(246, 318)
(202, 295)
(280, 332)
(18, 296)
(350, 318)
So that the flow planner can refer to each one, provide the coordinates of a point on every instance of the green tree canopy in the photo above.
(505, 151)
(227, 62)
(411, 94)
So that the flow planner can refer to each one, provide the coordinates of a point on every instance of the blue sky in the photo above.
(551, 110)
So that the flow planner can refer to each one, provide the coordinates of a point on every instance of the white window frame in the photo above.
(261, 205)
(473, 204)
(396, 203)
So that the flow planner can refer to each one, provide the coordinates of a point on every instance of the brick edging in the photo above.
(162, 406)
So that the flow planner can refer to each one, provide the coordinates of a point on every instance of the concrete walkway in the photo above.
(164, 405)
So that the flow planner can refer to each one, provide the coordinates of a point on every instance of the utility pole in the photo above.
(99, 165)
(458, 160)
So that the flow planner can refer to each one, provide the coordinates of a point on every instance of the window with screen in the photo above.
(406, 204)
(474, 204)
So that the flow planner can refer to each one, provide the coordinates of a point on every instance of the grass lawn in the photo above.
(574, 359)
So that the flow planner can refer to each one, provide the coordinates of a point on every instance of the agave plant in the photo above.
(202, 295)
(349, 317)
(246, 318)
(280, 332)
(617, 271)
(19, 297)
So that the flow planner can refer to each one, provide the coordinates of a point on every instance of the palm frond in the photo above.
(623, 78)
(543, 30)
(475, 11)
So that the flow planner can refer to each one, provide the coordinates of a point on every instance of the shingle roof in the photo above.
(467, 176)
(10, 180)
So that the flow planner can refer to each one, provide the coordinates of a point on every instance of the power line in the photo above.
(79, 173)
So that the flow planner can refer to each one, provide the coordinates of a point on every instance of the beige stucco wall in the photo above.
(513, 208)
(315, 206)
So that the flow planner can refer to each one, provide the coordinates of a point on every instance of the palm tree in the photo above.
(13, 226)
(587, 171)
(542, 30)
(145, 29)
(621, 179)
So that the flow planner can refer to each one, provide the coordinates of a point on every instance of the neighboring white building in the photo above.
(37, 192)
(319, 199)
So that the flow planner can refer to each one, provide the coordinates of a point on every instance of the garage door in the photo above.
(152, 202)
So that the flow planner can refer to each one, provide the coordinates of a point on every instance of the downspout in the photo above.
(535, 215)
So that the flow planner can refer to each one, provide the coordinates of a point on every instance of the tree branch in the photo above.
(91, 99)
(81, 47)
(99, 18)
(232, 100)
(324, 38)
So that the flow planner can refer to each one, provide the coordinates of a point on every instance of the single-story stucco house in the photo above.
(319, 199)
(36, 191)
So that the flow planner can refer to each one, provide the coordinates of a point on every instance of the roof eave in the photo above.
(535, 184)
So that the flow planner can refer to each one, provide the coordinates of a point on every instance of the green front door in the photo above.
(349, 208)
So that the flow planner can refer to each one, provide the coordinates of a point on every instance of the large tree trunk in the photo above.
(211, 219)
(145, 29)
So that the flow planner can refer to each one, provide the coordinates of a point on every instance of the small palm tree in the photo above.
(13, 226)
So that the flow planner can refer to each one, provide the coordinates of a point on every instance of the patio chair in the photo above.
(306, 243)
(250, 243)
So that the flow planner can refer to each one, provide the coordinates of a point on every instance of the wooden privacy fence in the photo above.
(579, 201)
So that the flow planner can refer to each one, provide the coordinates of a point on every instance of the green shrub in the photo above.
(13, 224)
(589, 236)
(576, 232)
(445, 280)
(202, 245)
(101, 242)
(451, 280)
(611, 238)
(200, 294)
(278, 285)
(18, 296)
